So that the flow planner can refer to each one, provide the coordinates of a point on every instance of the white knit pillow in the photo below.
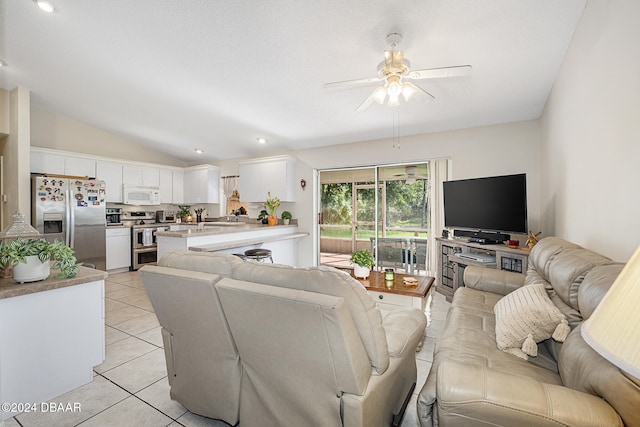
(525, 317)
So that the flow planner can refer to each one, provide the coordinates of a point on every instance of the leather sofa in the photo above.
(471, 382)
(268, 344)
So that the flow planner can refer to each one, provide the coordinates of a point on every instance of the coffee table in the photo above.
(391, 295)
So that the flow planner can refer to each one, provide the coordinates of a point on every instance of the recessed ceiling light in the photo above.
(199, 151)
(45, 5)
(262, 140)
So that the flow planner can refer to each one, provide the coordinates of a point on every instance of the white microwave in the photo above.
(133, 195)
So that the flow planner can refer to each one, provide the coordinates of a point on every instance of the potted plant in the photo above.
(30, 259)
(184, 211)
(362, 263)
(286, 217)
(271, 205)
(263, 216)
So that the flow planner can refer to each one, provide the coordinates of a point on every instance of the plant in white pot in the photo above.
(362, 263)
(30, 259)
(286, 217)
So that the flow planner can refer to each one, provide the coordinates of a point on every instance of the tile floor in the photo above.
(130, 388)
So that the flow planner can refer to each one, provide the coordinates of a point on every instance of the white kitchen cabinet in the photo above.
(111, 174)
(143, 176)
(46, 163)
(118, 248)
(275, 175)
(76, 166)
(202, 184)
(166, 186)
(178, 187)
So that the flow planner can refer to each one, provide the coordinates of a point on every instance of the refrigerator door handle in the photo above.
(67, 219)
(72, 227)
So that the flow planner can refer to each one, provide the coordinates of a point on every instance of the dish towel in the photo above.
(147, 237)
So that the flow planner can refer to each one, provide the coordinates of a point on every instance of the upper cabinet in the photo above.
(275, 175)
(201, 184)
(111, 174)
(143, 176)
(178, 187)
(45, 162)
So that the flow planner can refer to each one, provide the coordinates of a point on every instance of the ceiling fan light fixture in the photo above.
(408, 91)
(380, 94)
(393, 100)
(410, 180)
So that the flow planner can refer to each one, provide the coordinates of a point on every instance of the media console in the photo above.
(454, 255)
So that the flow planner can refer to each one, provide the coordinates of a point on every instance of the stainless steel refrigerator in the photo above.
(74, 211)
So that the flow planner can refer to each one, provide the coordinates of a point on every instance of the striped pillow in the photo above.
(525, 317)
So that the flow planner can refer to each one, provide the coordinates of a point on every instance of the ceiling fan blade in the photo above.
(344, 83)
(435, 73)
(378, 95)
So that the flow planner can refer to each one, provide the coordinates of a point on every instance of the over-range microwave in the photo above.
(134, 195)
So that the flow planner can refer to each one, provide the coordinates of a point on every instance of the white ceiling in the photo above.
(175, 75)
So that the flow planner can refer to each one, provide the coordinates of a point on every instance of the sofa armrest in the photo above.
(404, 329)
(491, 280)
(468, 392)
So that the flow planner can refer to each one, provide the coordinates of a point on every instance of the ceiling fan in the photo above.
(410, 174)
(394, 71)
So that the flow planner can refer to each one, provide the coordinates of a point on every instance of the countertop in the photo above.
(212, 230)
(10, 288)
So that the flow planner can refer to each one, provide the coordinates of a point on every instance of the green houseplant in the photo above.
(263, 216)
(183, 212)
(271, 205)
(286, 217)
(30, 259)
(362, 263)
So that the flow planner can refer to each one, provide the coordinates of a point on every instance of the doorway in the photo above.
(385, 209)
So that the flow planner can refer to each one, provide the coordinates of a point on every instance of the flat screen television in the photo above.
(492, 204)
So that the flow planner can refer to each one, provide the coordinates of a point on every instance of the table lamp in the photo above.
(613, 330)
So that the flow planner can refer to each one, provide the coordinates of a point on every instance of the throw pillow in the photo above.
(525, 317)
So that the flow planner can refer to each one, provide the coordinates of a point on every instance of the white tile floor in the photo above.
(130, 388)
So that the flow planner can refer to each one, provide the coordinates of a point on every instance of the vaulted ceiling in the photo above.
(176, 75)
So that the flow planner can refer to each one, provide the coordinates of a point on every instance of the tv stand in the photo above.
(454, 255)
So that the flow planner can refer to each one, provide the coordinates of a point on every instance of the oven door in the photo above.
(139, 238)
(144, 257)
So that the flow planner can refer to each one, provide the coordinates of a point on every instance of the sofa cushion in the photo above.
(328, 280)
(525, 317)
(204, 262)
(561, 266)
(583, 369)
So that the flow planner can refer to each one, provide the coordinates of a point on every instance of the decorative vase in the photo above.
(286, 221)
(31, 271)
(272, 220)
(361, 272)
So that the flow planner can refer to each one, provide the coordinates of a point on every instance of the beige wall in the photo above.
(4, 112)
(590, 152)
(15, 153)
(51, 130)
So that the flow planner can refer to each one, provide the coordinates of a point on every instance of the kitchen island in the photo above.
(51, 336)
(232, 237)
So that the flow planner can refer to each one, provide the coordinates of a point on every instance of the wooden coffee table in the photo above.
(390, 295)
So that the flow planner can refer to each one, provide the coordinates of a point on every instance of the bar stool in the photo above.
(258, 254)
(241, 256)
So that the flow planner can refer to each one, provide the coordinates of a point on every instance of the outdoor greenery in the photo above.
(17, 251)
(406, 208)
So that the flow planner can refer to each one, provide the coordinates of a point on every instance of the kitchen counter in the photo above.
(10, 288)
(52, 336)
(233, 238)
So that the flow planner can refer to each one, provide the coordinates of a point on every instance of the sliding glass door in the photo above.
(384, 209)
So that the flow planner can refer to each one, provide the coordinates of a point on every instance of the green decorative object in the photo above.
(286, 215)
(271, 205)
(363, 258)
(16, 252)
(184, 211)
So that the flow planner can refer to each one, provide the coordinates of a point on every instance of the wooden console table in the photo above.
(391, 295)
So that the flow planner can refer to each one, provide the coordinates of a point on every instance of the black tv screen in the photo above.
(497, 203)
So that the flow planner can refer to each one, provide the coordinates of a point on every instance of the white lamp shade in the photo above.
(613, 330)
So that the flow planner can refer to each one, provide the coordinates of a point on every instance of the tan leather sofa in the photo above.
(472, 383)
(267, 344)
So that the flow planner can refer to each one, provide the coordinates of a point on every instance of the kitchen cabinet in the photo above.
(43, 162)
(166, 186)
(275, 175)
(143, 176)
(202, 184)
(178, 187)
(118, 248)
(111, 174)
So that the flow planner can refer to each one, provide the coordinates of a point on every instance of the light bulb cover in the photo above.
(45, 5)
